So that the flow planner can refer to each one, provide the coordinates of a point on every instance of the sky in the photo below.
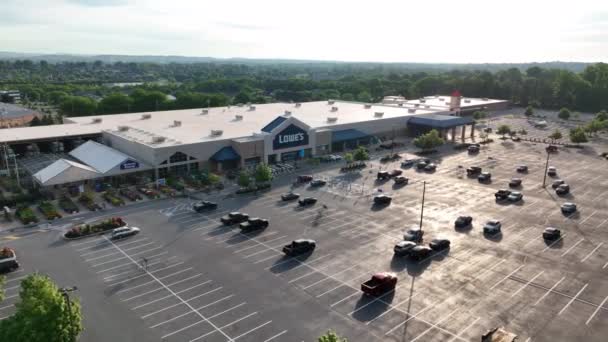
(466, 31)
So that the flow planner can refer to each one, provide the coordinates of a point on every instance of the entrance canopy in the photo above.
(65, 171)
(440, 121)
(347, 134)
(225, 154)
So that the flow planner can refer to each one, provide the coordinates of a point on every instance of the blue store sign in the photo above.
(129, 164)
(291, 136)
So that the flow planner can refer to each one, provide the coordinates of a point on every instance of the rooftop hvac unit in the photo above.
(441, 99)
(400, 104)
(216, 132)
(367, 106)
(334, 109)
(158, 140)
(238, 117)
(379, 114)
(97, 120)
(467, 101)
(332, 119)
(427, 106)
(177, 123)
(252, 108)
(298, 104)
(123, 128)
(417, 105)
(205, 112)
(331, 102)
(411, 110)
(436, 96)
(146, 116)
(239, 105)
(287, 113)
(422, 101)
(485, 99)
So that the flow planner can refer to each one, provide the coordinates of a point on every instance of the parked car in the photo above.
(382, 199)
(551, 233)
(473, 148)
(421, 164)
(379, 284)
(515, 182)
(515, 196)
(402, 248)
(552, 171)
(484, 177)
(383, 175)
(303, 178)
(420, 252)
(395, 173)
(568, 208)
(8, 260)
(317, 183)
(401, 180)
(492, 227)
(201, 206)
(413, 234)
(522, 168)
(563, 189)
(463, 221)
(300, 246)
(557, 183)
(290, 196)
(252, 224)
(307, 201)
(234, 218)
(473, 170)
(408, 163)
(551, 149)
(502, 194)
(430, 167)
(439, 244)
(123, 232)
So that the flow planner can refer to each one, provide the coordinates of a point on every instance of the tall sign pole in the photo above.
(422, 208)
(546, 168)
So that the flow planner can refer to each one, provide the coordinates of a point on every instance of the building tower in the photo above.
(455, 99)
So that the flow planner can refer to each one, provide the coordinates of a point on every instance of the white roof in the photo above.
(101, 157)
(65, 171)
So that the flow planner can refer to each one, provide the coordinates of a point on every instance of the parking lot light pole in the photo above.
(546, 168)
(422, 208)
(65, 292)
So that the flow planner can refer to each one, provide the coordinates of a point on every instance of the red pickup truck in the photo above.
(379, 284)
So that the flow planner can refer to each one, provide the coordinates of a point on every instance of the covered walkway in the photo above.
(444, 124)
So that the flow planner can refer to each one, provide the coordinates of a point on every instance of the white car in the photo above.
(551, 171)
(123, 232)
(515, 196)
(492, 227)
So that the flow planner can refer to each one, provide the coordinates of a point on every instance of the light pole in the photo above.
(422, 208)
(65, 292)
(546, 168)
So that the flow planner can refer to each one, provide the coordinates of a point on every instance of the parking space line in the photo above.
(6, 307)
(465, 329)
(87, 242)
(259, 252)
(255, 245)
(526, 284)
(593, 251)
(410, 317)
(175, 283)
(573, 246)
(596, 310)
(141, 275)
(324, 279)
(225, 326)
(275, 336)
(345, 298)
(110, 247)
(308, 262)
(15, 279)
(181, 329)
(252, 330)
(189, 299)
(236, 243)
(548, 291)
(445, 318)
(151, 281)
(588, 217)
(601, 224)
(109, 261)
(392, 308)
(227, 310)
(554, 242)
(572, 299)
(507, 276)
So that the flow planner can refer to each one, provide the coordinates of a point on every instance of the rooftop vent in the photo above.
(239, 105)
(287, 113)
(422, 100)
(334, 109)
(436, 96)
(216, 132)
(97, 120)
(400, 104)
(331, 102)
(238, 117)
(251, 108)
(417, 105)
(146, 116)
(123, 128)
(205, 112)
(379, 114)
(158, 140)
(427, 106)
(298, 104)
(411, 110)
(485, 99)
(332, 119)
(177, 123)
(367, 106)
(467, 101)
(441, 99)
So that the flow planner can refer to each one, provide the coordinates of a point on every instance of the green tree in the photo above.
(55, 97)
(348, 158)
(361, 154)
(331, 336)
(147, 101)
(556, 135)
(529, 111)
(429, 140)
(364, 96)
(577, 135)
(263, 173)
(212, 178)
(564, 114)
(503, 130)
(115, 103)
(244, 180)
(595, 126)
(601, 116)
(480, 114)
(77, 106)
(42, 315)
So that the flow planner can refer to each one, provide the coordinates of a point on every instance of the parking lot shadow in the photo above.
(553, 244)
(415, 269)
(378, 207)
(441, 254)
(286, 263)
(493, 237)
(399, 263)
(368, 307)
(219, 230)
(464, 230)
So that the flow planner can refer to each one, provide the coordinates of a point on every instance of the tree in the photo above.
(480, 114)
(348, 158)
(503, 130)
(556, 135)
(429, 140)
(242, 97)
(564, 114)
(212, 178)
(601, 116)
(364, 96)
(244, 180)
(361, 154)
(43, 314)
(263, 173)
(331, 336)
(529, 111)
(35, 122)
(115, 103)
(77, 106)
(577, 135)
(594, 126)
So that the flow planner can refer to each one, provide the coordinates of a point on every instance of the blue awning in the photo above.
(440, 121)
(347, 134)
(225, 154)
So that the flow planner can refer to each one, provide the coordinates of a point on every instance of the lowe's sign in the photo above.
(129, 164)
(291, 136)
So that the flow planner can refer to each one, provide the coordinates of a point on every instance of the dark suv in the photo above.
(253, 224)
(234, 218)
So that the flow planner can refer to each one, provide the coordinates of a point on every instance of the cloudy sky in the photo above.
(465, 31)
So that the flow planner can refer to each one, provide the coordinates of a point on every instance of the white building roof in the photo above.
(65, 171)
(100, 157)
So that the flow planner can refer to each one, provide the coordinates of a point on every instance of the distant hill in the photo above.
(58, 58)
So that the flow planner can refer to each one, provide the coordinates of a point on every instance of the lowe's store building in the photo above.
(176, 142)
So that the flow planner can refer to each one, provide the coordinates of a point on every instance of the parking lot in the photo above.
(208, 282)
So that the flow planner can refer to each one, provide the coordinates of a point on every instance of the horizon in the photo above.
(320, 31)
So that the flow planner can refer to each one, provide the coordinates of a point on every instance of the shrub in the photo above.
(48, 210)
(26, 215)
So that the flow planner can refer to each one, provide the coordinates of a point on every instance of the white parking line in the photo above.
(588, 217)
(6, 307)
(526, 284)
(225, 326)
(345, 298)
(88, 242)
(596, 310)
(554, 242)
(465, 329)
(507, 276)
(410, 317)
(259, 252)
(593, 251)
(109, 261)
(182, 329)
(245, 240)
(108, 278)
(275, 336)
(255, 245)
(392, 308)
(573, 246)
(110, 247)
(175, 283)
(252, 330)
(572, 299)
(190, 312)
(445, 318)
(189, 299)
(548, 291)
(15, 279)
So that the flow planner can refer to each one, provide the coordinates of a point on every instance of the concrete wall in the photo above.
(139, 151)
(249, 149)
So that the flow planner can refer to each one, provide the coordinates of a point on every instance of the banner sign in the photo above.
(129, 164)
(291, 136)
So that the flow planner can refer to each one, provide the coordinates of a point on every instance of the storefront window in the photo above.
(178, 157)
